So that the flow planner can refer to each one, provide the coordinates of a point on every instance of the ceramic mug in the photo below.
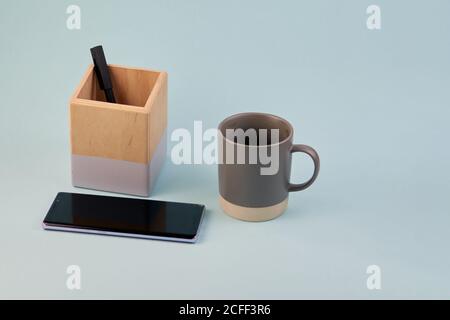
(255, 152)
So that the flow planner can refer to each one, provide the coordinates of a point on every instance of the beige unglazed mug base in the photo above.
(253, 214)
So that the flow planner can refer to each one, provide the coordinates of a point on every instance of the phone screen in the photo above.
(113, 215)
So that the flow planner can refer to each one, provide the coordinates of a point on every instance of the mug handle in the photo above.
(313, 154)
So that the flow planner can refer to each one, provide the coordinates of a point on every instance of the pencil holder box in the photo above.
(119, 147)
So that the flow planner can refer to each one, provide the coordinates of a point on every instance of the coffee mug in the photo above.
(255, 155)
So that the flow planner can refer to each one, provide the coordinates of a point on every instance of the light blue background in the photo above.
(375, 105)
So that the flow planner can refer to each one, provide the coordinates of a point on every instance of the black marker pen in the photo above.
(102, 72)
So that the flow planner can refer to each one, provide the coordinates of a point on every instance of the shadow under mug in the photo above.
(258, 190)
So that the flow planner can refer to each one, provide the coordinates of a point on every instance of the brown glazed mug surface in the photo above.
(246, 193)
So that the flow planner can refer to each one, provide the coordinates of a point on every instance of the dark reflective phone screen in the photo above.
(125, 215)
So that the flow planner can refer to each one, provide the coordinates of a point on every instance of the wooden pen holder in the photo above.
(119, 147)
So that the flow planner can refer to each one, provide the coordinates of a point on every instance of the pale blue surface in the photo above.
(375, 105)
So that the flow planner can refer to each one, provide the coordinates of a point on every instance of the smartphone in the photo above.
(127, 217)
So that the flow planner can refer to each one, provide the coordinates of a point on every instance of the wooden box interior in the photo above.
(131, 86)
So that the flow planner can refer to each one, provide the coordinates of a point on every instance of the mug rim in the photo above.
(267, 115)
